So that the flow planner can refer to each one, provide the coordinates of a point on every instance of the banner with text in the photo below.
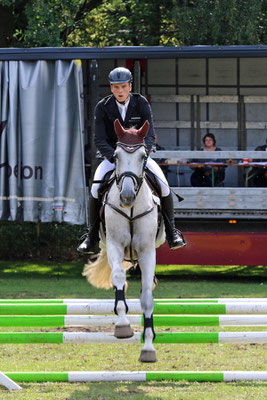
(41, 142)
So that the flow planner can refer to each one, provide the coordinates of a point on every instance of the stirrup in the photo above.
(84, 236)
(179, 243)
(83, 247)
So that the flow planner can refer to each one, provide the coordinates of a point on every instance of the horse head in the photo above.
(130, 157)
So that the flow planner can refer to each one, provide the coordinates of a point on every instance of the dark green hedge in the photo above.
(40, 241)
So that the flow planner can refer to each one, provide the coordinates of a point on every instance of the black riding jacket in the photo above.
(107, 111)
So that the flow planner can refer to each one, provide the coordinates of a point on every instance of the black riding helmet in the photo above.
(120, 75)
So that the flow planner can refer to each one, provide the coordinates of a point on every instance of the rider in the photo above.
(132, 110)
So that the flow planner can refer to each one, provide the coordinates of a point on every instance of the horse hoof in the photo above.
(123, 332)
(148, 356)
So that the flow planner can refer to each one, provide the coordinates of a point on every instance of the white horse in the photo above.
(132, 233)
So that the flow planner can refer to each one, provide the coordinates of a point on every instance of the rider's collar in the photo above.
(123, 103)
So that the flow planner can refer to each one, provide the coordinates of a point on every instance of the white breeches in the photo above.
(106, 166)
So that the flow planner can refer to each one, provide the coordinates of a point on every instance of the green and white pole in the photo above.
(172, 300)
(109, 338)
(93, 321)
(139, 376)
(134, 308)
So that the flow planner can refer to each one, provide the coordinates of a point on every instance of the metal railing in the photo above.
(219, 202)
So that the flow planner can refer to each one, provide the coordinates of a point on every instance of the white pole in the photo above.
(243, 320)
(106, 376)
(242, 337)
(98, 337)
(246, 308)
(8, 383)
(100, 320)
(230, 376)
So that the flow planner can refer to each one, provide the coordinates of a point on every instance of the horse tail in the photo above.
(98, 272)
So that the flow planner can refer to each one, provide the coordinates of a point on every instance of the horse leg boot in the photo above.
(90, 240)
(123, 329)
(174, 237)
(148, 353)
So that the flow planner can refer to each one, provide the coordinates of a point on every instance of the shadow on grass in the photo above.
(144, 390)
(214, 272)
(31, 269)
(9, 269)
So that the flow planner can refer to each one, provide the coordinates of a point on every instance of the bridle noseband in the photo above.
(137, 180)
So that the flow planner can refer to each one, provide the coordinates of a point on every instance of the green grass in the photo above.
(64, 280)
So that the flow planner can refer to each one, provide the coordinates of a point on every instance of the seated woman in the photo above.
(202, 175)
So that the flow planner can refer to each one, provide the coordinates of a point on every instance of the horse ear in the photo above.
(118, 128)
(142, 132)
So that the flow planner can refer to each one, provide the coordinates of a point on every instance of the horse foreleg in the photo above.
(122, 326)
(147, 265)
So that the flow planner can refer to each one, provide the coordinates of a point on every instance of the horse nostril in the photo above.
(127, 200)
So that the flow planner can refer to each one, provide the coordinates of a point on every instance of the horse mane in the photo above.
(131, 136)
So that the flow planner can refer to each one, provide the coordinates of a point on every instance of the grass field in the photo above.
(34, 280)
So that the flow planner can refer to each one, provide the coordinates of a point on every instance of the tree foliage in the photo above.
(132, 22)
(220, 22)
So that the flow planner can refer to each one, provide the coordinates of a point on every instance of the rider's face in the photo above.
(121, 91)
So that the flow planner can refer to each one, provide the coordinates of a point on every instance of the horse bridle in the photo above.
(137, 180)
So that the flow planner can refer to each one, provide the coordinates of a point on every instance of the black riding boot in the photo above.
(174, 237)
(89, 241)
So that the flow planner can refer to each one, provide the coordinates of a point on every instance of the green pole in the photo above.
(33, 309)
(18, 301)
(38, 376)
(188, 308)
(31, 337)
(54, 321)
(175, 320)
(187, 337)
(186, 376)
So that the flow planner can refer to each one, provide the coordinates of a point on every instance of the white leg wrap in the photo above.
(121, 310)
(148, 346)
